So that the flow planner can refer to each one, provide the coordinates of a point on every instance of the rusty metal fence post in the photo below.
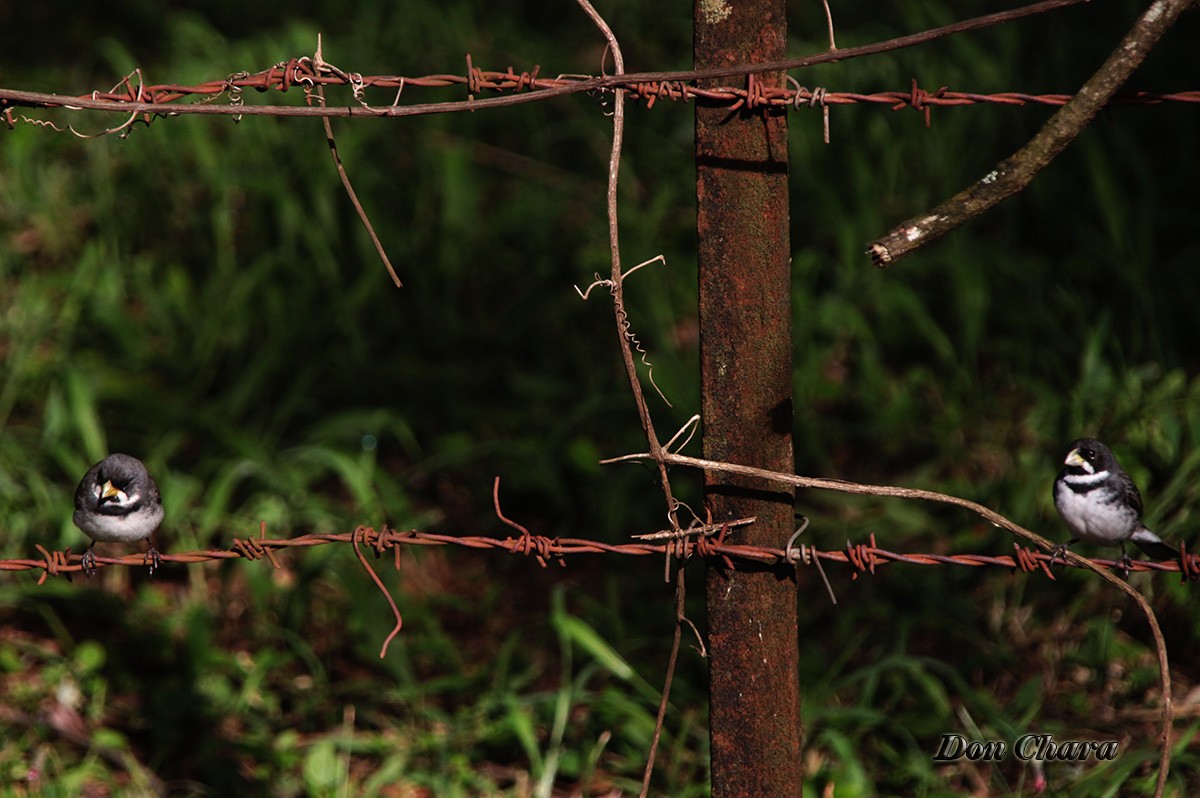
(746, 379)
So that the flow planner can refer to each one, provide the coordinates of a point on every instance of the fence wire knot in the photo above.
(255, 549)
(710, 546)
(1189, 564)
(383, 540)
(365, 532)
(542, 548)
(806, 555)
(818, 96)
(1027, 560)
(755, 93)
(300, 70)
(862, 556)
(526, 81)
(54, 561)
(918, 99)
(368, 535)
(474, 79)
(249, 548)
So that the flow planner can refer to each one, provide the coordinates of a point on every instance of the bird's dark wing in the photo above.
(1132, 497)
(84, 498)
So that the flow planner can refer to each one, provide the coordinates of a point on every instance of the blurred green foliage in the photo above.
(199, 293)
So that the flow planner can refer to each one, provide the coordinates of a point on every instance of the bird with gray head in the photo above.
(1101, 505)
(118, 502)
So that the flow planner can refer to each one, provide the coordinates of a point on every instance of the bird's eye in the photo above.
(1088, 454)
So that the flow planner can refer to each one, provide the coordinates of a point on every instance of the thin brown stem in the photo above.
(624, 336)
(352, 194)
(617, 279)
(664, 699)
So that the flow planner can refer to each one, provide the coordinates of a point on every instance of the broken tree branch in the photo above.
(1016, 172)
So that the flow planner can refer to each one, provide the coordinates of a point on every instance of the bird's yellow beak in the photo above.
(109, 491)
(1073, 459)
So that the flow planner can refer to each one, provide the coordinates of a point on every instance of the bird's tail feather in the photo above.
(1153, 546)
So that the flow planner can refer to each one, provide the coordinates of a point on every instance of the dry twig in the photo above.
(341, 170)
(624, 336)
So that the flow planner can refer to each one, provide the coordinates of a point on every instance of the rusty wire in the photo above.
(311, 73)
(709, 541)
(863, 558)
(307, 73)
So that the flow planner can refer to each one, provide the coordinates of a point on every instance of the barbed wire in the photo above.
(706, 541)
(308, 73)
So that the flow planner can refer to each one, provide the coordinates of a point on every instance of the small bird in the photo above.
(1100, 503)
(117, 501)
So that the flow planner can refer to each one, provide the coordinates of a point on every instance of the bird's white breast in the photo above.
(1095, 517)
(120, 528)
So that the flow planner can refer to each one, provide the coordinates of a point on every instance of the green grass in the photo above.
(200, 294)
